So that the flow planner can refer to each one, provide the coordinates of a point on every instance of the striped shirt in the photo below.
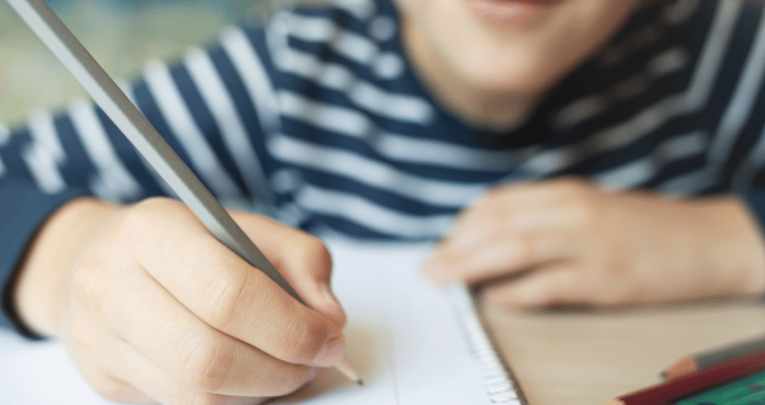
(318, 118)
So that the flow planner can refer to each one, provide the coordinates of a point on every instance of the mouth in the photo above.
(515, 10)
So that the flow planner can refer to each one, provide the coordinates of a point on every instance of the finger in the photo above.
(117, 390)
(163, 388)
(528, 195)
(476, 230)
(110, 387)
(554, 205)
(193, 353)
(501, 256)
(228, 294)
(558, 284)
(96, 351)
(302, 259)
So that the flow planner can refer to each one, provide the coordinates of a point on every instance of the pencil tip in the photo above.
(663, 374)
(359, 382)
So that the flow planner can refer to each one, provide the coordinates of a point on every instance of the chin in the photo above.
(509, 78)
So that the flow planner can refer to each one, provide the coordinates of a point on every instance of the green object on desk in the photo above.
(746, 391)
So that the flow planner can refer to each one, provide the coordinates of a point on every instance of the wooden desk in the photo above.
(587, 358)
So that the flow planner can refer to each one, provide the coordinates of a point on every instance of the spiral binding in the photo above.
(499, 381)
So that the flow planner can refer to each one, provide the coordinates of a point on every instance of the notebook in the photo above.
(414, 343)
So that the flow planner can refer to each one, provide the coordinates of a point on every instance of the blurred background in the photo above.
(121, 34)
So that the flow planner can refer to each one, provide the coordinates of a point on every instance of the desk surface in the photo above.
(587, 358)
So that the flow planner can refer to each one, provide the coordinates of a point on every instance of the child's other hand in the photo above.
(154, 308)
(567, 242)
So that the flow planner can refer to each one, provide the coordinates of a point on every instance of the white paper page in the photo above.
(41, 374)
(402, 336)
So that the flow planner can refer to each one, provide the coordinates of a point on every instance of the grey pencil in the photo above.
(57, 37)
(700, 361)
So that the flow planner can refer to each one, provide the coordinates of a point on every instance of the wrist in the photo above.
(43, 271)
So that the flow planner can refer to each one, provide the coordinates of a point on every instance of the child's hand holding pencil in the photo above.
(153, 308)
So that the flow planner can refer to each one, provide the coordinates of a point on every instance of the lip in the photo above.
(517, 11)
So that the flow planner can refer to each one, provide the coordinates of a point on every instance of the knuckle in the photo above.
(144, 216)
(224, 295)
(154, 204)
(321, 253)
(311, 250)
(307, 339)
(88, 281)
(140, 214)
(307, 254)
(208, 364)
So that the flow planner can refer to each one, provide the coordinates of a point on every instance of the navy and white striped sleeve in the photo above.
(736, 153)
(745, 167)
(201, 105)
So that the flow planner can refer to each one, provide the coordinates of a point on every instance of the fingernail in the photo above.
(331, 352)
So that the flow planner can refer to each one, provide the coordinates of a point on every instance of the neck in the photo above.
(478, 107)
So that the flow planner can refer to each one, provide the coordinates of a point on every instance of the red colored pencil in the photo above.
(699, 361)
(682, 386)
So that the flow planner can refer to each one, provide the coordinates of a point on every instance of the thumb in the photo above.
(307, 266)
(302, 259)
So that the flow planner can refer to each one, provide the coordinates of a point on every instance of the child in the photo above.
(562, 124)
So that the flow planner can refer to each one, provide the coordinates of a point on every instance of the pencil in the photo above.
(743, 391)
(692, 383)
(68, 49)
(699, 361)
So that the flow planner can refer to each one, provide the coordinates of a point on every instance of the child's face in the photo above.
(510, 46)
